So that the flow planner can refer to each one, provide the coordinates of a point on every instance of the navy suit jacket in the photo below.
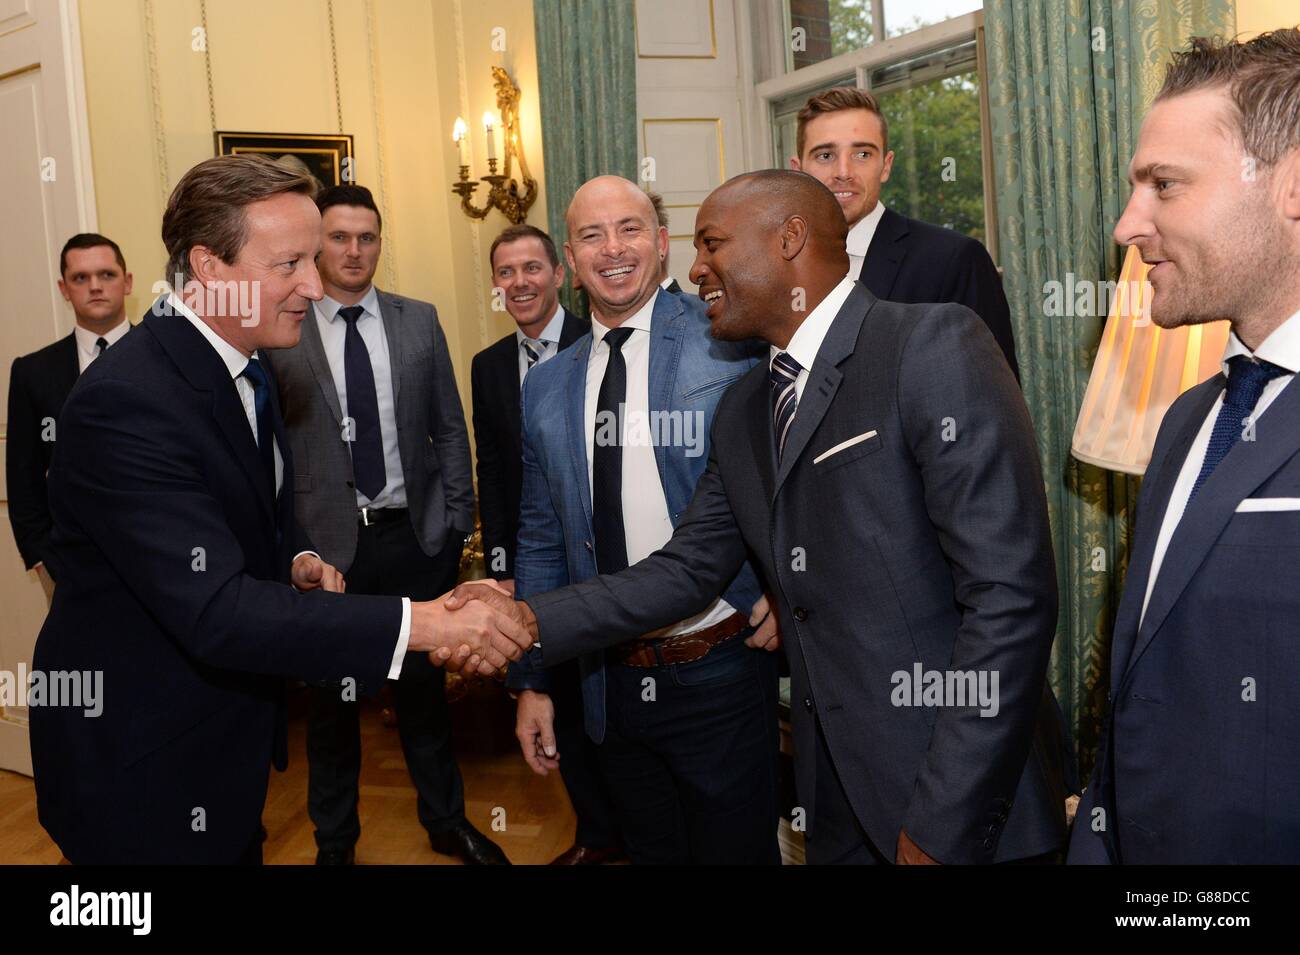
(175, 553)
(1200, 760)
(913, 261)
(689, 372)
(905, 526)
(494, 381)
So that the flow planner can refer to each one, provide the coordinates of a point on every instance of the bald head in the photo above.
(763, 239)
(615, 246)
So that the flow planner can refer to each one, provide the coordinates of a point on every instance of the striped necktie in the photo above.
(785, 397)
(534, 350)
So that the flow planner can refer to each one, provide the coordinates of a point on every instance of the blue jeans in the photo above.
(690, 757)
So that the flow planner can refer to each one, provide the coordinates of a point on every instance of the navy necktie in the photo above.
(784, 373)
(256, 376)
(363, 408)
(1246, 380)
(101, 346)
(607, 460)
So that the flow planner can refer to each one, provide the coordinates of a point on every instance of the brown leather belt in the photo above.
(683, 648)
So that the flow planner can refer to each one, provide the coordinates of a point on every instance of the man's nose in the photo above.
(699, 271)
(310, 287)
(1135, 221)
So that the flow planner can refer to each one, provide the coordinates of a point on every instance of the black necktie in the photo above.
(607, 460)
(256, 376)
(363, 409)
(1246, 380)
(784, 373)
(101, 346)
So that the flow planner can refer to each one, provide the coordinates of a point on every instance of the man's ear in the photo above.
(63, 288)
(128, 283)
(203, 264)
(1288, 178)
(794, 236)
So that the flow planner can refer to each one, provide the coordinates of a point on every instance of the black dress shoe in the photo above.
(468, 844)
(336, 856)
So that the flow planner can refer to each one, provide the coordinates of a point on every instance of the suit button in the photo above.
(807, 704)
(587, 544)
(993, 831)
(800, 614)
(988, 843)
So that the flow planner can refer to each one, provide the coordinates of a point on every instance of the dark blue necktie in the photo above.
(784, 374)
(533, 351)
(1246, 380)
(363, 408)
(607, 460)
(256, 376)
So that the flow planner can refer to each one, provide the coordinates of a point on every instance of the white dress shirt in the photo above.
(1282, 348)
(807, 339)
(549, 340)
(860, 237)
(236, 363)
(88, 350)
(647, 525)
(370, 326)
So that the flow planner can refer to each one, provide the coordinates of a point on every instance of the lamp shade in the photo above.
(1140, 369)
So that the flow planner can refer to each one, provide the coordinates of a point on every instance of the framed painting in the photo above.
(327, 156)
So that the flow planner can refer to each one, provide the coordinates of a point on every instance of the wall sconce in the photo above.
(503, 191)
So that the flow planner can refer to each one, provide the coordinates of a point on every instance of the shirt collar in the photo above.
(329, 308)
(807, 339)
(1281, 348)
(86, 339)
(551, 333)
(231, 356)
(860, 235)
(641, 321)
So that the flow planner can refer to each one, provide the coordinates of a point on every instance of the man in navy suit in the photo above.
(614, 439)
(843, 141)
(172, 502)
(95, 282)
(1200, 761)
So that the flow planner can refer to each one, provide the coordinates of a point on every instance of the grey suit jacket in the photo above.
(431, 434)
(905, 527)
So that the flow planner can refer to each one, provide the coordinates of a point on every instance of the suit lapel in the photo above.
(575, 405)
(823, 378)
(665, 353)
(69, 367)
(1161, 476)
(762, 442)
(1248, 465)
(885, 254)
(314, 349)
(199, 362)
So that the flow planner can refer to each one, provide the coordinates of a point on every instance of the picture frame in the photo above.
(327, 156)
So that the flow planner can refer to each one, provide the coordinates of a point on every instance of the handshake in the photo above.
(477, 627)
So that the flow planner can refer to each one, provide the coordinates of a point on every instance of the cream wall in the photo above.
(1256, 16)
(406, 70)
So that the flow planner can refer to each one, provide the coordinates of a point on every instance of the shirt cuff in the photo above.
(403, 638)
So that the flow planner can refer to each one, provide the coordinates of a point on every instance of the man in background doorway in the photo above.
(95, 282)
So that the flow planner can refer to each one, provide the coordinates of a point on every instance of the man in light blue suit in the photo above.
(1200, 762)
(615, 437)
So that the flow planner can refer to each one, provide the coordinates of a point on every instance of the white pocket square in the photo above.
(842, 445)
(1269, 504)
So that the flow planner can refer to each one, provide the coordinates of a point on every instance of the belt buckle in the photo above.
(365, 516)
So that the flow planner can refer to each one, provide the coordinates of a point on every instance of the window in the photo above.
(821, 29)
(904, 16)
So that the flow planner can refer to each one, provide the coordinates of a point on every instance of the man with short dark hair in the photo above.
(843, 141)
(95, 282)
(1200, 761)
(661, 215)
(384, 489)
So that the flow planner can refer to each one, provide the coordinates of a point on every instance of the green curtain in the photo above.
(1068, 84)
(586, 69)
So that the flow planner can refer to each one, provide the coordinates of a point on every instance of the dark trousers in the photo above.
(580, 763)
(690, 758)
(389, 562)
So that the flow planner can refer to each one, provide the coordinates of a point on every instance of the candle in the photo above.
(491, 136)
(458, 133)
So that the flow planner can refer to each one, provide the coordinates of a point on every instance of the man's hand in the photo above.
(309, 572)
(909, 853)
(489, 593)
(477, 636)
(766, 635)
(535, 730)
